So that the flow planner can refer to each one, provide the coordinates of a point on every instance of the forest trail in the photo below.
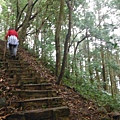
(25, 95)
(28, 92)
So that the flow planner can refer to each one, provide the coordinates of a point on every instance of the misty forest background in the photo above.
(78, 40)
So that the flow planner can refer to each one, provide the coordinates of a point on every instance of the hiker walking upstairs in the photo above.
(13, 42)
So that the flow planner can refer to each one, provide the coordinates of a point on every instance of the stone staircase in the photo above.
(32, 97)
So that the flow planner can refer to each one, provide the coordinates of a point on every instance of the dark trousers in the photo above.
(13, 49)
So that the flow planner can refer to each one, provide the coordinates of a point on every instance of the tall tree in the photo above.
(28, 17)
(70, 7)
(57, 37)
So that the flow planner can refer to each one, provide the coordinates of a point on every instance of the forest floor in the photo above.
(80, 107)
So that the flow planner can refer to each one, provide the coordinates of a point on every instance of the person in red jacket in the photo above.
(13, 42)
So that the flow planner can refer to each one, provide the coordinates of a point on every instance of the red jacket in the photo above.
(11, 32)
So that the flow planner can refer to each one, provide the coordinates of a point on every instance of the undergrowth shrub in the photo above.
(100, 97)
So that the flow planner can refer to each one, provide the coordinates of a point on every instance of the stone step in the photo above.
(36, 103)
(28, 94)
(32, 80)
(15, 67)
(23, 65)
(18, 68)
(16, 61)
(42, 86)
(20, 75)
(15, 70)
(27, 80)
(57, 113)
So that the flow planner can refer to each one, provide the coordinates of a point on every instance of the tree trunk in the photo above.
(103, 69)
(89, 62)
(25, 24)
(57, 38)
(69, 4)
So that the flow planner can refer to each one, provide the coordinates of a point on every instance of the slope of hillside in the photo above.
(80, 108)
